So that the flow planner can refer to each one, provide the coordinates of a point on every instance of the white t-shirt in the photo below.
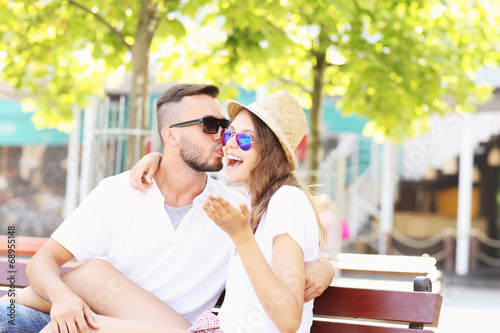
(289, 211)
(186, 267)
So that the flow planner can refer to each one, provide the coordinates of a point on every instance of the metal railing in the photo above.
(444, 244)
(106, 136)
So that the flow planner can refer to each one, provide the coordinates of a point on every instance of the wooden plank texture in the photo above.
(24, 246)
(18, 272)
(327, 327)
(398, 306)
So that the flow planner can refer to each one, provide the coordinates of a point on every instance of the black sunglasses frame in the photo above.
(224, 123)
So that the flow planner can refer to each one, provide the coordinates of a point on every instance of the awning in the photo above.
(16, 128)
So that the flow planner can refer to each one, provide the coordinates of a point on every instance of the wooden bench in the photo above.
(338, 309)
(24, 246)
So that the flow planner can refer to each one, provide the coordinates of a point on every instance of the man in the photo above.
(163, 241)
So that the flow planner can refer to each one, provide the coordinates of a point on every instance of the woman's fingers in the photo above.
(143, 172)
(133, 178)
(209, 208)
(147, 178)
(225, 207)
(138, 179)
(141, 185)
(244, 209)
(218, 204)
(225, 204)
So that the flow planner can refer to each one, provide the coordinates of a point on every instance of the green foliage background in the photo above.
(393, 62)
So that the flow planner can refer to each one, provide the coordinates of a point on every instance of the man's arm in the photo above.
(319, 275)
(68, 313)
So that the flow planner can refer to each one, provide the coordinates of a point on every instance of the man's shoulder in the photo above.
(119, 184)
(117, 180)
(217, 187)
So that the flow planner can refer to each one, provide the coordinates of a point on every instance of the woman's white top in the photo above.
(289, 211)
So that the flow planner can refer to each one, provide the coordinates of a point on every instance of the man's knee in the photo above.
(97, 264)
(21, 319)
(85, 272)
(91, 267)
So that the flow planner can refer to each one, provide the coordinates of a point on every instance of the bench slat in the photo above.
(24, 246)
(328, 327)
(398, 306)
(20, 274)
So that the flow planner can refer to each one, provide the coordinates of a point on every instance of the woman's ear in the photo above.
(169, 137)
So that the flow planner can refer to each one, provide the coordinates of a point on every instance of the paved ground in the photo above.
(470, 304)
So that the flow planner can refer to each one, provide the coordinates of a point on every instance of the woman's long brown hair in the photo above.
(271, 173)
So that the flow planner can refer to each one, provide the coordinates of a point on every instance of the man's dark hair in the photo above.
(167, 115)
(177, 92)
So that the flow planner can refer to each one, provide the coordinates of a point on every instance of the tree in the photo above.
(393, 62)
(63, 51)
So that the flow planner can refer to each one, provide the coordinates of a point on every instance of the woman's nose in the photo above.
(232, 141)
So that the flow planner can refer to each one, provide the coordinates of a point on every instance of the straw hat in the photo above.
(284, 116)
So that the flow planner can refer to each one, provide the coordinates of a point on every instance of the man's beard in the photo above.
(193, 156)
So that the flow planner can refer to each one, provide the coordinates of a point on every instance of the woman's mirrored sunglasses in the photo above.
(243, 140)
(211, 125)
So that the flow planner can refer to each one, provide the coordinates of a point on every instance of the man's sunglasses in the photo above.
(211, 125)
(243, 140)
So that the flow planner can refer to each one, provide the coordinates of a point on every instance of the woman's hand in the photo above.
(230, 219)
(141, 175)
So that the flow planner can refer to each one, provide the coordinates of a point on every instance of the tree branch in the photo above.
(103, 21)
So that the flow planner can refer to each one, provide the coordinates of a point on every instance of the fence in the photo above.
(107, 137)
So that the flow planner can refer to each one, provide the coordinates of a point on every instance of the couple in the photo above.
(162, 276)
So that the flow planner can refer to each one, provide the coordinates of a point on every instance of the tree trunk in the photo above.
(316, 119)
(139, 94)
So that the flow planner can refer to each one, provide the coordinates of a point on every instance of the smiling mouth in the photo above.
(233, 161)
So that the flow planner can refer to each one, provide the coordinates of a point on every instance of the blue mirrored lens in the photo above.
(244, 141)
(226, 136)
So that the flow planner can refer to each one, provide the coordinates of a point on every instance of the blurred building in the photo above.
(438, 193)
(32, 170)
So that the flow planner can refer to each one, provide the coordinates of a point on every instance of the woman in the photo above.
(265, 284)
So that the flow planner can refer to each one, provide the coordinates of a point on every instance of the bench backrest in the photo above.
(336, 305)
(24, 246)
(16, 269)
(416, 309)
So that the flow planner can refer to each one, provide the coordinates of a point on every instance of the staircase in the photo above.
(352, 179)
